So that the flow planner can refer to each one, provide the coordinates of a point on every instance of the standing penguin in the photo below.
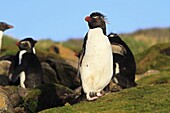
(124, 62)
(96, 62)
(3, 26)
(26, 65)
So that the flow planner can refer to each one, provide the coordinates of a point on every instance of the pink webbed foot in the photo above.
(99, 94)
(88, 96)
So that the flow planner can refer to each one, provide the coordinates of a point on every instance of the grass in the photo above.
(140, 99)
(152, 58)
(8, 46)
(150, 96)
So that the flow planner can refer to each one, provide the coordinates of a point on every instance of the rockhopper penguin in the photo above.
(95, 62)
(26, 67)
(123, 61)
(3, 26)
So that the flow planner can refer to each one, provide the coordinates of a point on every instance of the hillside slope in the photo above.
(151, 95)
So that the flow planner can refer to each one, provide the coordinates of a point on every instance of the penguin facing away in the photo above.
(95, 62)
(124, 62)
(3, 26)
(26, 67)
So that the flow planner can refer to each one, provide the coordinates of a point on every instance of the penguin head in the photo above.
(114, 38)
(95, 20)
(112, 35)
(26, 44)
(4, 26)
(117, 44)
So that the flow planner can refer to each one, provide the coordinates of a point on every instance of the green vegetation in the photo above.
(8, 46)
(44, 45)
(151, 95)
(152, 58)
(73, 44)
(135, 100)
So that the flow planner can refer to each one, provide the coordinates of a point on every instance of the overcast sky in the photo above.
(63, 19)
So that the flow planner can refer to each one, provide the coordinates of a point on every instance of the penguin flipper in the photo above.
(81, 55)
(80, 61)
(16, 73)
(118, 49)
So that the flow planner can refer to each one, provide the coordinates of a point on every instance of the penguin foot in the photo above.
(91, 96)
(99, 94)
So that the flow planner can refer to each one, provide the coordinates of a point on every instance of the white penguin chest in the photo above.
(1, 34)
(21, 53)
(98, 48)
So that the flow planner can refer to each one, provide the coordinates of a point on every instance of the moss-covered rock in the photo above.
(9, 99)
(4, 67)
(47, 96)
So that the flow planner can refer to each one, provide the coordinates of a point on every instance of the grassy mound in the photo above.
(151, 95)
(153, 58)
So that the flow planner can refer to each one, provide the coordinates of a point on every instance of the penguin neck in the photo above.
(104, 30)
(97, 30)
(20, 55)
(1, 35)
(103, 27)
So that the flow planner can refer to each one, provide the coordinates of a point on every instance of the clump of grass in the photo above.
(162, 78)
(153, 59)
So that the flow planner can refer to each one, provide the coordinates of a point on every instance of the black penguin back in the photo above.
(126, 62)
(33, 70)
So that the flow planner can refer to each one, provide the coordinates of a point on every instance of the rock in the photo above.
(62, 73)
(49, 74)
(113, 87)
(18, 100)
(148, 73)
(5, 106)
(9, 99)
(47, 96)
(4, 68)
